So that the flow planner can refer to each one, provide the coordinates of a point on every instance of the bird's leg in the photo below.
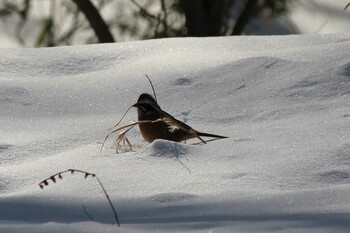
(121, 136)
(194, 132)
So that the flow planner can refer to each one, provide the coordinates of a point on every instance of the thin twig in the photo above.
(154, 93)
(58, 175)
(109, 200)
(87, 214)
(116, 124)
(164, 21)
(178, 159)
(143, 10)
(209, 140)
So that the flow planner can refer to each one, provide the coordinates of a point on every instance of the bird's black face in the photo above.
(147, 107)
(144, 108)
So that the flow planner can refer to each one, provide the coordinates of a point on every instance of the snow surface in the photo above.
(284, 102)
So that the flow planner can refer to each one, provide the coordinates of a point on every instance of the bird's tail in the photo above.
(210, 135)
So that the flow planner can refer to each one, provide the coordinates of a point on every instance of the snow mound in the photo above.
(166, 149)
(283, 102)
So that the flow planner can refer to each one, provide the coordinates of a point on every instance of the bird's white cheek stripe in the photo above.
(173, 128)
(143, 109)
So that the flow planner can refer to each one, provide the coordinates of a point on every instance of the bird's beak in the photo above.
(135, 105)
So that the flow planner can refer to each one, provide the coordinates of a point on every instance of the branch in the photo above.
(96, 21)
(244, 17)
(58, 175)
(347, 5)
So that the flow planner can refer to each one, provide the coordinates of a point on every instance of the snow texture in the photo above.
(283, 101)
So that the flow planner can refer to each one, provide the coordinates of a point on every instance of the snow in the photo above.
(320, 16)
(283, 101)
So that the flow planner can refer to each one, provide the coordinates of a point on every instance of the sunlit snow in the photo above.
(283, 101)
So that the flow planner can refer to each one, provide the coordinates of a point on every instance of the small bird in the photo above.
(158, 124)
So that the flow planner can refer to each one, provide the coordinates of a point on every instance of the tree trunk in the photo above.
(203, 17)
(244, 17)
(97, 23)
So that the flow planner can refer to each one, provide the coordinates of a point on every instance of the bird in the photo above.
(158, 124)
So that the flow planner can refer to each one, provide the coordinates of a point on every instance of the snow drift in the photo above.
(282, 100)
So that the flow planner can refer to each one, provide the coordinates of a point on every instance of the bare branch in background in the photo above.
(96, 21)
(347, 5)
(135, 19)
(244, 17)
